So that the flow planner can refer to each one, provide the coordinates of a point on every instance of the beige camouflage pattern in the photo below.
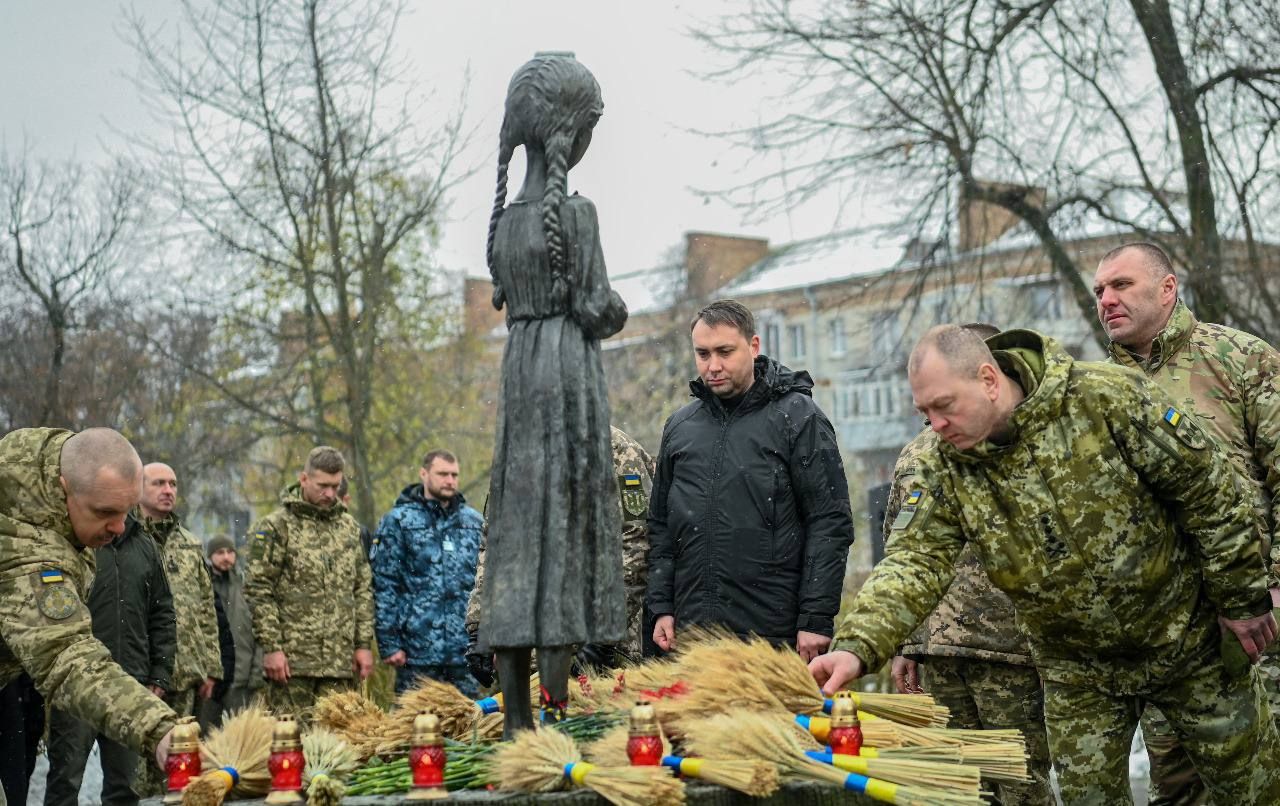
(309, 587)
(1230, 381)
(1120, 533)
(974, 619)
(71, 668)
(629, 459)
(182, 555)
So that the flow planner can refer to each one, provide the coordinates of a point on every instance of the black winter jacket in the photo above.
(132, 608)
(749, 522)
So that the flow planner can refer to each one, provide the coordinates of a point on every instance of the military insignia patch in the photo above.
(58, 602)
(51, 576)
(634, 502)
(914, 498)
(912, 504)
(1173, 417)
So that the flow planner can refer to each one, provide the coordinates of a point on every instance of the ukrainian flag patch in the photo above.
(50, 577)
(914, 497)
(631, 480)
(1173, 417)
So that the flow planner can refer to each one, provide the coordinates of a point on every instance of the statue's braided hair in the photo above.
(550, 101)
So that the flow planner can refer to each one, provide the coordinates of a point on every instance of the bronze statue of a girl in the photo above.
(554, 558)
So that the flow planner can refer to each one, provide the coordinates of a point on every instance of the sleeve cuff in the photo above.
(822, 625)
(870, 661)
(1258, 607)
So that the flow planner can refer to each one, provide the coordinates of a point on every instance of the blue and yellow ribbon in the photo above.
(577, 771)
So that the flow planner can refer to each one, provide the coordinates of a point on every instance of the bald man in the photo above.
(60, 494)
(1118, 530)
(197, 665)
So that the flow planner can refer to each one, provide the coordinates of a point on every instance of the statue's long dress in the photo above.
(553, 562)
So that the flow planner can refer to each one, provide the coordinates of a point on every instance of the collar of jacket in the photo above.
(1042, 367)
(160, 529)
(1167, 343)
(772, 381)
(292, 500)
(415, 494)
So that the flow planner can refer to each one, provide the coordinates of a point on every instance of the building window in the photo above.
(1043, 301)
(771, 339)
(886, 335)
(795, 334)
(835, 332)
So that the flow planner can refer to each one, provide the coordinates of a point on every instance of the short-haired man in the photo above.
(309, 589)
(1230, 382)
(749, 522)
(246, 676)
(424, 565)
(969, 654)
(133, 616)
(197, 664)
(62, 493)
(1119, 531)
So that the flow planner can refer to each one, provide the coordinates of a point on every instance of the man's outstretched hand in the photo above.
(834, 669)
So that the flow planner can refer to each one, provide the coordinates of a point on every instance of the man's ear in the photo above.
(990, 377)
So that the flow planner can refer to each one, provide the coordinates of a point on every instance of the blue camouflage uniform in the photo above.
(424, 566)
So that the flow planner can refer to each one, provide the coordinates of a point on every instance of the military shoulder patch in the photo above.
(910, 506)
(1173, 417)
(51, 576)
(634, 502)
(58, 601)
(1184, 428)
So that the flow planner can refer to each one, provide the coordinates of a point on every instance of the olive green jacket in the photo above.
(309, 587)
(45, 576)
(1118, 529)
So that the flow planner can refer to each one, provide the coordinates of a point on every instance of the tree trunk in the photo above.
(1204, 246)
(53, 414)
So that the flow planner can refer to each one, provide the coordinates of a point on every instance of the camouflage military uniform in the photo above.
(310, 591)
(197, 656)
(633, 467)
(45, 577)
(973, 658)
(1120, 533)
(1230, 381)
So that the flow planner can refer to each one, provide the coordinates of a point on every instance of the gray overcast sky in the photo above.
(65, 85)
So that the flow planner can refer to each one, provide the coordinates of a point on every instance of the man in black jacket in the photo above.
(132, 612)
(749, 522)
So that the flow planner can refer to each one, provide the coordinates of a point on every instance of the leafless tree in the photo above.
(1146, 116)
(295, 155)
(64, 231)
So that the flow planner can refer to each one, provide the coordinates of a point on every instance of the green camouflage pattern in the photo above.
(1230, 382)
(71, 668)
(309, 587)
(182, 555)
(1116, 526)
(299, 695)
(630, 460)
(974, 619)
(984, 694)
(1220, 716)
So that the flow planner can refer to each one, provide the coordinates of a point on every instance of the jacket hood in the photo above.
(1175, 335)
(291, 498)
(414, 494)
(1040, 365)
(30, 493)
(772, 381)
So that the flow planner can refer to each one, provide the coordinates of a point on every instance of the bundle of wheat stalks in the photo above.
(329, 761)
(775, 738)
(547, 760)
(234, 758)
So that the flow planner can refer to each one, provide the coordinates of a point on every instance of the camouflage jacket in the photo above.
(633, 467)
(424, 565)
(1115, 524)
(182, 553)
(1230, 381)
(45, 576)
(309, 587)
(975, 619)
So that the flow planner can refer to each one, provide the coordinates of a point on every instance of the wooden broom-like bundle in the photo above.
(329, 761)
(235, 759)
(775, 738)
(548, 760)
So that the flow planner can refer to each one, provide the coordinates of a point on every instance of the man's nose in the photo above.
(937, 424)
(116, 526)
